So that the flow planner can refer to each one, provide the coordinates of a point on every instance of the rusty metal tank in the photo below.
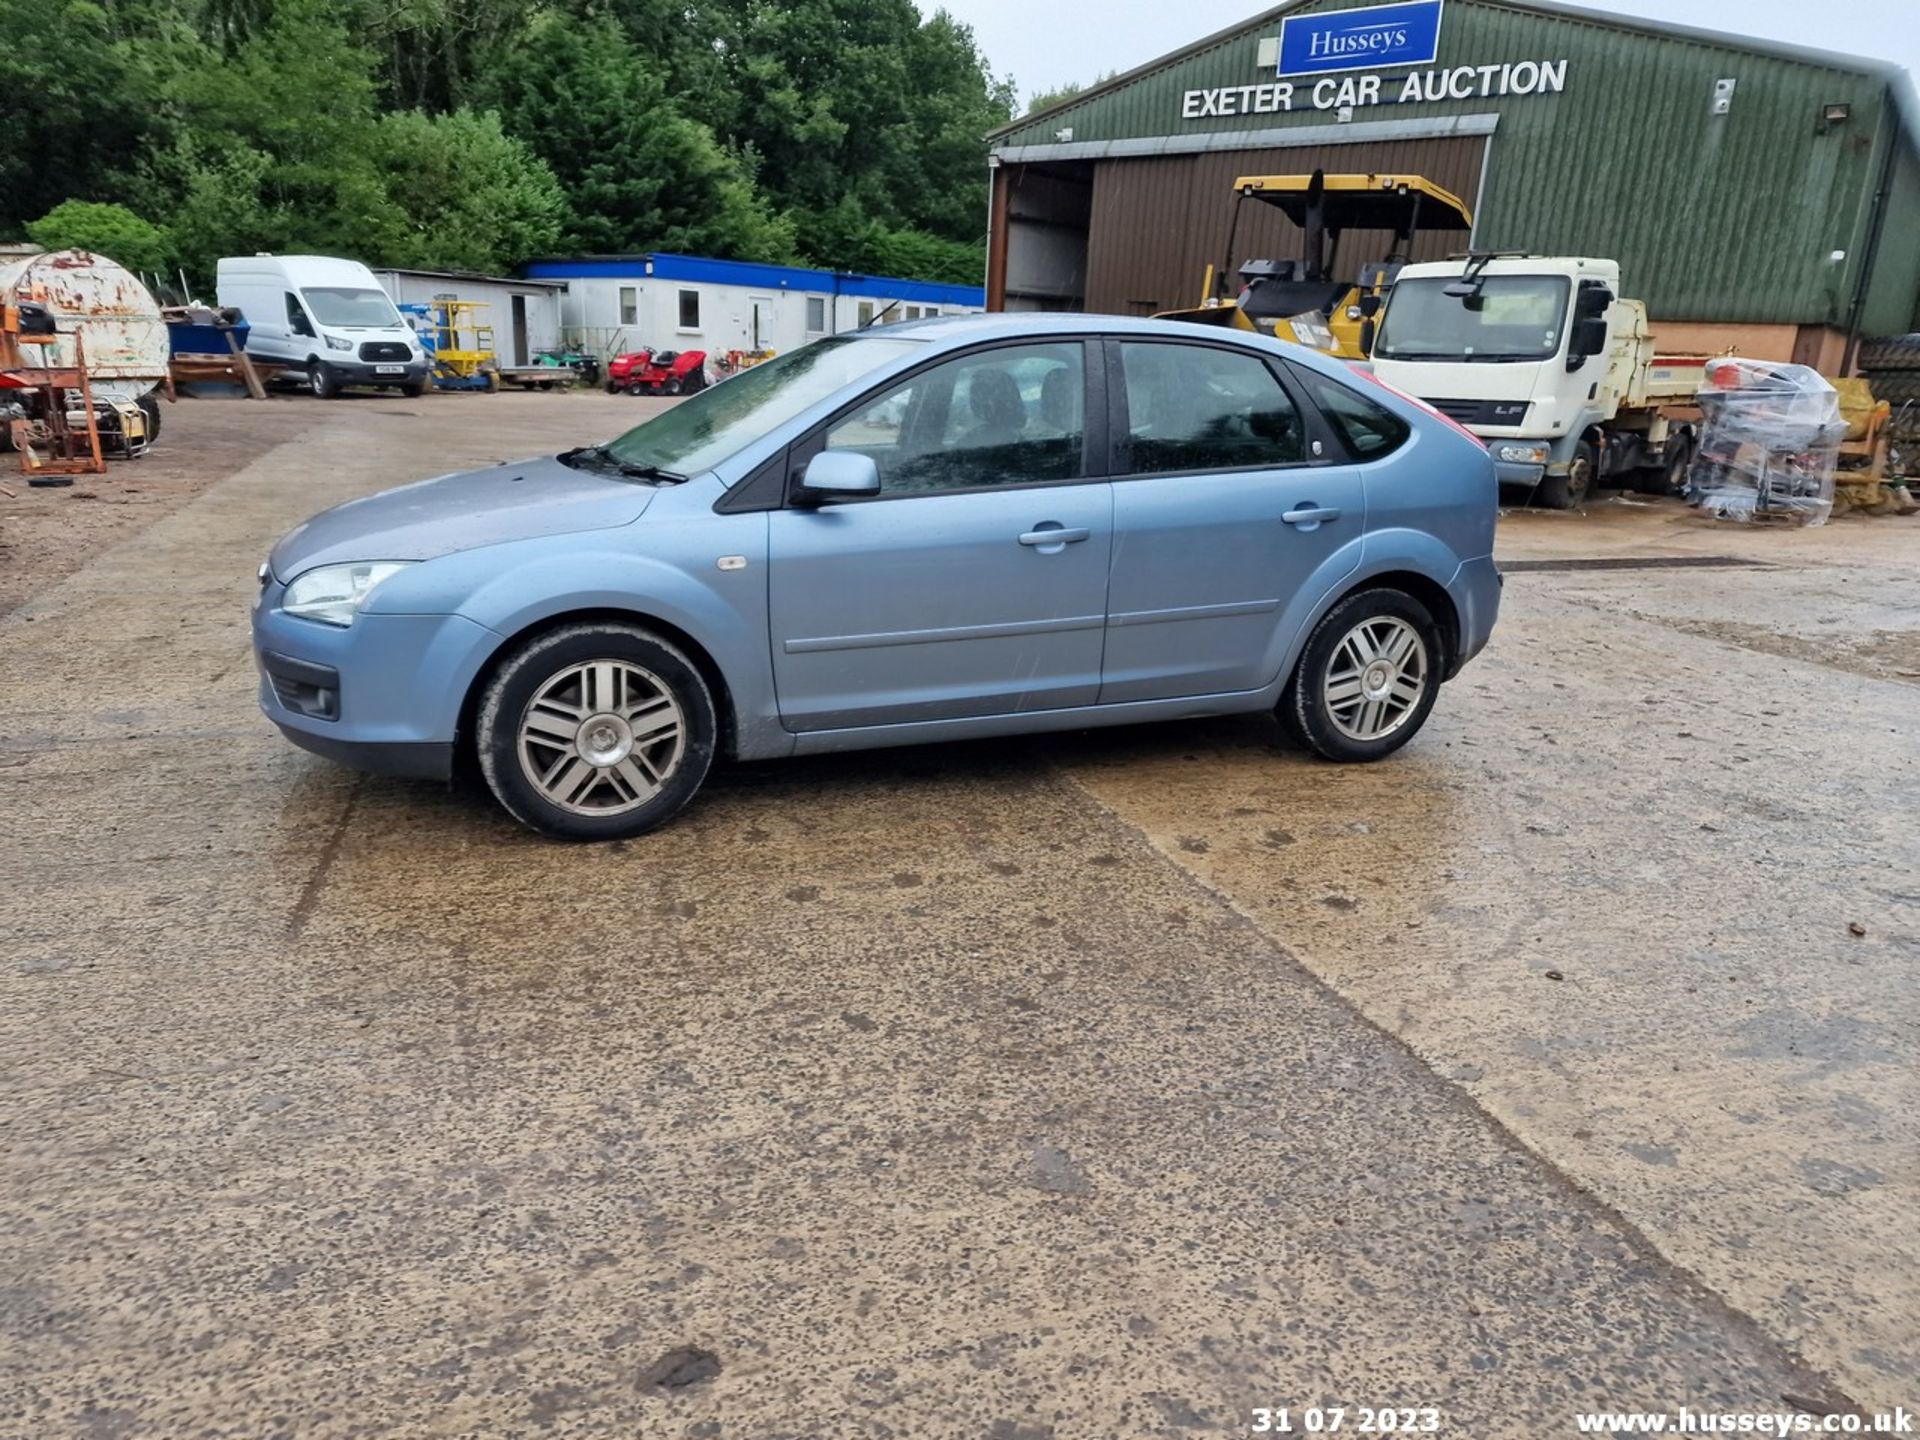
(126, 340)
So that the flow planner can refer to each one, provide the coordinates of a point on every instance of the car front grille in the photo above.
(387, 350)
(1482, 412)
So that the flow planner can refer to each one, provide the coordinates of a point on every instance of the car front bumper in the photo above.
(382, 695)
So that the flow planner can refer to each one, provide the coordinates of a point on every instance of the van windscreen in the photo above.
(350, 308)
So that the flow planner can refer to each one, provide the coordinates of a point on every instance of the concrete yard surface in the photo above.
(1109, 1085)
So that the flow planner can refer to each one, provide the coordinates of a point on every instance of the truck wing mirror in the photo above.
(1596, 300)
(1369, 305)
(1589, 338)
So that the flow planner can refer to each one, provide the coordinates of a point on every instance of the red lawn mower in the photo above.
(658, 372)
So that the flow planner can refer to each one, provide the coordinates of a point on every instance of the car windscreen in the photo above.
(1514, 317)
(351, 308)
(700, 432)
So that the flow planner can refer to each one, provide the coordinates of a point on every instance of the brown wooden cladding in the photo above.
(1159, 221)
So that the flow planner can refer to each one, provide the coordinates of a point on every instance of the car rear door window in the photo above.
(1369, 429)
(1199, 407)
(1008, 416)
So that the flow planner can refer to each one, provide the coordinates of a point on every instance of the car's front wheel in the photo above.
(1368, 677)
(596, 731)
(322, 380)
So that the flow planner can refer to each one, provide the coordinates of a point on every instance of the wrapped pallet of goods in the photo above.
(1769, 442)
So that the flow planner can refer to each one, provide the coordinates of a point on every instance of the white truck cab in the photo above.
(325, 317)
(1541, 358)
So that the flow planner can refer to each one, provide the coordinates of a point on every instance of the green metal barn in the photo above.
(1756, 195)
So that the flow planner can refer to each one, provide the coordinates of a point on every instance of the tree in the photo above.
(638, 173)
(76, 108)
(860, 100)
(472, 197)
(106, 229)
(275, 147)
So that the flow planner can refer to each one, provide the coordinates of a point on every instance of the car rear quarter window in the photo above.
(1198, 407)
(1370, 430)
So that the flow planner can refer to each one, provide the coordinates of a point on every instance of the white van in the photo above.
(328, 318)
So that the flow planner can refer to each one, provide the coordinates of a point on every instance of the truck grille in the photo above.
(1482, 412)
(387, 350)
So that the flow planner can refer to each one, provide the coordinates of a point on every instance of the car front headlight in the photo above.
(333, 594)
(334, 342)
(1523, 454)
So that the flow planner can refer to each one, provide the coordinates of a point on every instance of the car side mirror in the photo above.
(1594, 301)
(1368, 329)
(1369, 305)
(838, 475)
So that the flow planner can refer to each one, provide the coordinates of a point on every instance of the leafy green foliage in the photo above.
(472, 196)
(76, 103)
(631, 163)
(474, 134)
(106, 229)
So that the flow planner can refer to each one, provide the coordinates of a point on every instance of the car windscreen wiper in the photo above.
(598, 457)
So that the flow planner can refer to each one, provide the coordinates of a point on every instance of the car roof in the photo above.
(948, 331)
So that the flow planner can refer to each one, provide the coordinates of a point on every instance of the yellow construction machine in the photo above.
(1305, 298)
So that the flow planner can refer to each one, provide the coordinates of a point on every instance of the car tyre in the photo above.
(642, 722)
(414, 389)
(1564, 492)
(322, 380)
(1368, 677)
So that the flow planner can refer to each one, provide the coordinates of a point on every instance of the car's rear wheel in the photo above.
(1368, 677)
(596, 731)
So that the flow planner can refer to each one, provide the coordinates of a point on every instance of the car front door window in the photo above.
(1009, 416)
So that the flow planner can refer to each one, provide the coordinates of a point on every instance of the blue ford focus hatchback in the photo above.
(961, 527)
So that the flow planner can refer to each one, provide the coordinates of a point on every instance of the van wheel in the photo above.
(1368, 678)
(596, 731)
(322, 380)
(414, 389)
(1564, 492)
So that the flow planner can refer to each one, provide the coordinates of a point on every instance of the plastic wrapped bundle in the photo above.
(1769, 440)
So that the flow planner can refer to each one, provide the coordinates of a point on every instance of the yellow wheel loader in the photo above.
(1301, 298)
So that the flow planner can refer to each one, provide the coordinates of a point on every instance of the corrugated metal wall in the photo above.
(1137, 265)
(1728, 218)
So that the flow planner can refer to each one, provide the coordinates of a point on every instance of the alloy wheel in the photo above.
(601, 737)
(1376, 678)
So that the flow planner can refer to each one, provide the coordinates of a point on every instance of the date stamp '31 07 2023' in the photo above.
(1356, 1419)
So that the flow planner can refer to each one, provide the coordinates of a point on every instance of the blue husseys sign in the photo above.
(1369, 39)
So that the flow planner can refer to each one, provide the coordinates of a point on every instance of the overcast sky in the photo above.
(1047, 44)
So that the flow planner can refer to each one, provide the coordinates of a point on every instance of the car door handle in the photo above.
(1056, 535)
(1311, 515)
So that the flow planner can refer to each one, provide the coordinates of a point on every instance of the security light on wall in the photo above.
(1063, 134)
(1723, 96)
(1836, 114)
